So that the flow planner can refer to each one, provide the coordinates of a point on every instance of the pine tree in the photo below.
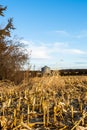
(12, 56)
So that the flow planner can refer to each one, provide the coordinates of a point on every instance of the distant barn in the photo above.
(45, 70)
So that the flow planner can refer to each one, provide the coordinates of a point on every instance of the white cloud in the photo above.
(72, 51)
(51, 53)
(25, 42)
(63, 48)
(62, 32)
(46, 51)
(38, 51)
(77, 51)
(82, 34)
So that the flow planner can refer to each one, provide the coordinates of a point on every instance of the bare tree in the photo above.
(12, 54)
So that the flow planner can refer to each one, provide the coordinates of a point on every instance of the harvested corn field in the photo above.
(46, 103)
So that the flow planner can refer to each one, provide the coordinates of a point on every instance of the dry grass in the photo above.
(44, 103)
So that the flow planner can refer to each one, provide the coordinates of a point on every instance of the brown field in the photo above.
(44, 103)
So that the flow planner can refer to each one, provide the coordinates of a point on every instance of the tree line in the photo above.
(12, 55)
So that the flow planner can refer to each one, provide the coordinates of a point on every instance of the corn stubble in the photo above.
(38, 103)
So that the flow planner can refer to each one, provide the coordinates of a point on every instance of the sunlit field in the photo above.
(44, 103)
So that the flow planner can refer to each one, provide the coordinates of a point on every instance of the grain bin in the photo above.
(46, 70)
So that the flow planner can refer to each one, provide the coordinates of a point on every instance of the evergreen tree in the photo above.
(12, 55)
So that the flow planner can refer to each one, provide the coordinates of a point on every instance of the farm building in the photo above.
(46, 70)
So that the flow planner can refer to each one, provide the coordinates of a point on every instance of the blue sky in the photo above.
(55, 30)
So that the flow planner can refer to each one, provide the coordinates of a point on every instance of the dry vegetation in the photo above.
(44, 103)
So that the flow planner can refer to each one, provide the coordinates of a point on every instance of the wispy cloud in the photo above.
(57, 52)
(74, 51)
(46, 51)
(62, 32)
(38, 51)
(82, 34)
(81, 62)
